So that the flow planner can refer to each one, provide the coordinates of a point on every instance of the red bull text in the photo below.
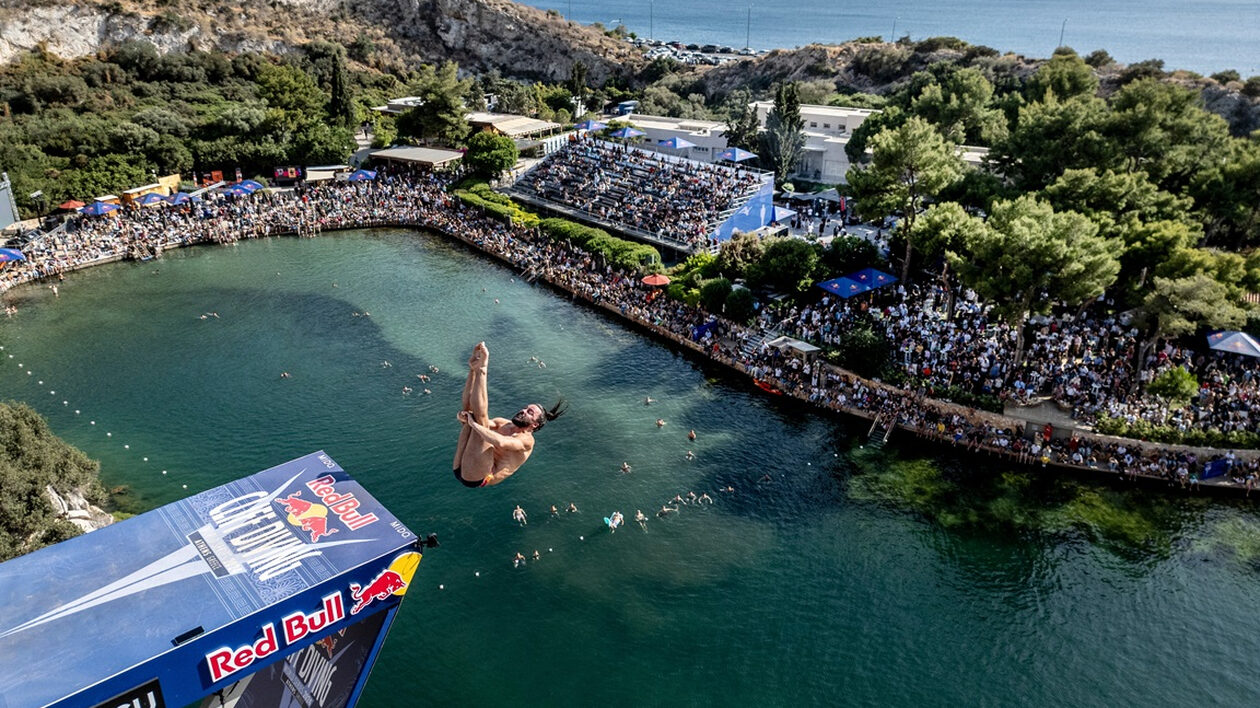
(225, 661)
(345, 506)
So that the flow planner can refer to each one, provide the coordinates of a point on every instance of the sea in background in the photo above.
(911, 576)
(1204, 36)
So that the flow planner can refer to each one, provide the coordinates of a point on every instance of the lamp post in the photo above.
(1062, 28)
(651, 18)
(748, 29)
(893, 36)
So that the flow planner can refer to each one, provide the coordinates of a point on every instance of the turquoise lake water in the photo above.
(835, 584)
(1204, 36)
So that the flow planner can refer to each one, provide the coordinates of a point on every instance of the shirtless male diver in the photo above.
(491, 449)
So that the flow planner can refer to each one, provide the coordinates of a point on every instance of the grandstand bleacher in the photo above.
(670, 201)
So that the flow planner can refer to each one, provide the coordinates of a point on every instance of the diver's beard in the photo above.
(520, 422)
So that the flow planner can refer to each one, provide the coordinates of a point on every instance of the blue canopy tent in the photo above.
(734, 154)
(250, 184)
(98, 208)
(361, 176)
(676, 143)
(1236, 342)
(238, 191)
(782, 214)
(590, 125)
(844, 287)
(11, 254)
(627, 132)
(873, 278)
(179, 198)
(150, 199)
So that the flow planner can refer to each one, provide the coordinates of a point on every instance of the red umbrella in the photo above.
(656, 279)
(71, 204)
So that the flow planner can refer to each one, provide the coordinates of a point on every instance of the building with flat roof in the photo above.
(827, 132)
(709, 136)
(431, 158)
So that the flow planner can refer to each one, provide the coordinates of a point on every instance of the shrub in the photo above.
(1175, 385)
(740, 306)
(478, 193)
(618, 252)
(713, 294)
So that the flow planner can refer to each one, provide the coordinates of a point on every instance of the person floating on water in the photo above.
(640, 517)
(518, 515)
(614, 521)
(491, 449)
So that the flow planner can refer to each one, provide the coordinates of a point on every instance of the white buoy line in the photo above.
(77, 411)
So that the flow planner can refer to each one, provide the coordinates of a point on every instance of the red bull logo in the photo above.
(311, 517)
(389, 582)
(344, 505)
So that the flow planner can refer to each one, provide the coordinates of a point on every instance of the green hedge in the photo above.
(478, 193)
(619, 252)
(1143, 430)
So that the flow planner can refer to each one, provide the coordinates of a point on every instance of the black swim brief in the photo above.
(466, 483)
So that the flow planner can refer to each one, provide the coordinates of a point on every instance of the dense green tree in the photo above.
(441, 117)
(1051, 136)
(859, 140)
(738, 254)
(742, 125)
(943, 229)
(846, 254)
(341, 109)
(1031, 256)
(788, 265)
(713, 294)
(740, 306)
(490, 155)
(959, 104)
(32, 458)
(1180, 306)
(1175, 385)
(1161, 129)
(784, 137)
(1065, 76)
(290, 91)
(909, 164)
(1225, 192)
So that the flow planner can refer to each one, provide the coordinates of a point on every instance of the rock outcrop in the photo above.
(481, 35)
(72, 507)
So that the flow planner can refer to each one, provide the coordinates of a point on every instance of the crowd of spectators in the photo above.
(970, 348)
(1082, 361)
(677, 200)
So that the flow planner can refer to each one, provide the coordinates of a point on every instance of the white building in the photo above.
(827, 132)
(709, 136)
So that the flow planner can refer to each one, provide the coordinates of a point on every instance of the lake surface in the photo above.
(1204, 36)
(908, 577)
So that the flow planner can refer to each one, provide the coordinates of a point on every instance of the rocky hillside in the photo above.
(481, 35)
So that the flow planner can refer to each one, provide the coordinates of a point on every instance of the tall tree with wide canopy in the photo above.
(943, 229)
(909, 164)
(784, 136)
(1180, 306)
(1031, 256)
(441, 116)
(1053, 135)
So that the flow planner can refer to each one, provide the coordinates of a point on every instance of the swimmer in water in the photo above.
(705, 499)
(406, 390)
(572, 508)
(625, 468)
(518, 560)
(285, 375)
(537, 555)
(554, 510)
(649, 401)
(490, 450)
(640, 517)
(614, 521)
(690, 455)
(691, 435)
(666, 510)
(518, 515)
(660, 422)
